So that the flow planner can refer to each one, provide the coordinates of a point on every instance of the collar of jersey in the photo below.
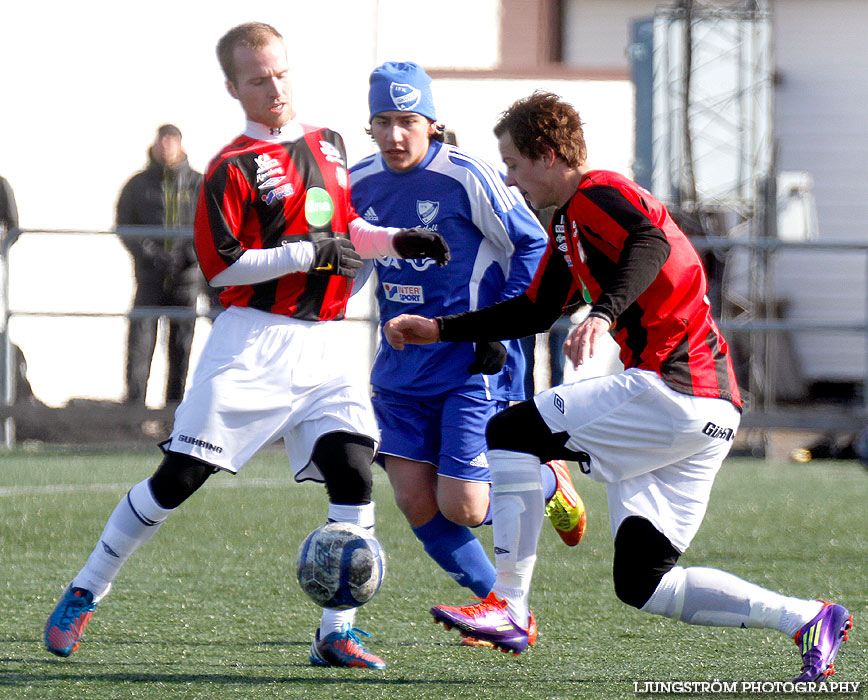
(291, 131)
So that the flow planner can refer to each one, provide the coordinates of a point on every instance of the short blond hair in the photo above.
(254, 35)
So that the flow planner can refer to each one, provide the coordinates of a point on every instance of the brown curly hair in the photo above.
(543, 121)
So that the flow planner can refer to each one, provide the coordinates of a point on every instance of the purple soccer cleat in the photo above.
(487, 621)
(819, 641)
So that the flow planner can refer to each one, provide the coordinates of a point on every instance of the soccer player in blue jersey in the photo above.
(433, 402)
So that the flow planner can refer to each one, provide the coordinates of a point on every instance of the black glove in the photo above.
(335, 256)
(419, 243)
(490, 358)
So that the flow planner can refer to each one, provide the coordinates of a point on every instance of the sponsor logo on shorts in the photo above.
(715, 431)
(204, 444)
(559, 403)
(404, 293)
(479, 461)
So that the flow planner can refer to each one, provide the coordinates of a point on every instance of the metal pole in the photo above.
(7, 438)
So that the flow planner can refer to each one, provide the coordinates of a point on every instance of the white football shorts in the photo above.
(262, 377)
(657, 450)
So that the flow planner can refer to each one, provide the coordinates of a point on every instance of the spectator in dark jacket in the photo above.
(8, 209)
(167, 274)
(8, 236)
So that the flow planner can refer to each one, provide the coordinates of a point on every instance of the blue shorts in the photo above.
(447, 431)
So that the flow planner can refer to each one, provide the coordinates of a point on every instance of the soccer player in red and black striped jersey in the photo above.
(655, 434)
(275, 228)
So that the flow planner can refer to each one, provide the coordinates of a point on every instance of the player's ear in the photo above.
(549, 156)
(230, 87)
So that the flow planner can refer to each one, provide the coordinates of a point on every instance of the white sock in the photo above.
(363, 516)
(132, 523)
(703, 596)
(334, 620)
(518, 506)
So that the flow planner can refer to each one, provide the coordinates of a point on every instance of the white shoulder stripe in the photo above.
(505, 197)
(365, 167)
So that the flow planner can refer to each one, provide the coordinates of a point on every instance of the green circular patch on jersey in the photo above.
(318, 207)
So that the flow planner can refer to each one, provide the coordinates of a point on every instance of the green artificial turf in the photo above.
(210, 607)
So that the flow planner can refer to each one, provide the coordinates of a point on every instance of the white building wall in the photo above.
(820, 110)
(81, 110)
(821, 103)
(83, 96)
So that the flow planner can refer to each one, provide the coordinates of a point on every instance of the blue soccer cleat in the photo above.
(66, 624)
(343, 649)
(819, 641)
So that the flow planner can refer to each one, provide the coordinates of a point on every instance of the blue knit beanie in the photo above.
(402, 87)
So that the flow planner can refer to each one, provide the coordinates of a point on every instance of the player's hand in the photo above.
(580, 343)
(419, 243)
(490, 358)
(411, 330)
(335, 256)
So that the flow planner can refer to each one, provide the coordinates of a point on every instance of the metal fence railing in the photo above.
(755, 327)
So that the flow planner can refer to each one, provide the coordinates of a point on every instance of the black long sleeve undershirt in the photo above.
(519, 316)
(645, 251)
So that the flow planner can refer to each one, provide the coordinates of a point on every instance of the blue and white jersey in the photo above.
(496, 244)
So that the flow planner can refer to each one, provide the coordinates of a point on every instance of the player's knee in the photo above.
(344, 460)
(519, 428)
(462, 513)
(643, 555)
(177, 478)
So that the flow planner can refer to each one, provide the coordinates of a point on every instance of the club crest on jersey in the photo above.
(427, 210)
(404, 97)
(404, 293)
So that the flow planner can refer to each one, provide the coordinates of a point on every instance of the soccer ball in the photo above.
(340, 566)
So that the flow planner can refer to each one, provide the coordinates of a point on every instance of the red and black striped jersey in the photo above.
(617, 246)
(264, 190)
